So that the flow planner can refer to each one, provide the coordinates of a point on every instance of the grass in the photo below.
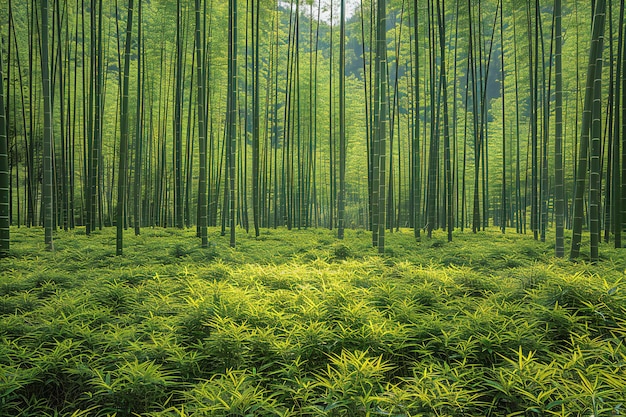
(299, 324)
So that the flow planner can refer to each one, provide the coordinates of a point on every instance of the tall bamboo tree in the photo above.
(446, 127)
(95, 169)
(331, 127)
(231, 136)
(138, 127)
(559, 177)
(475, 94)
(383, 116)
(618, 130)
(5, 219)
(256, 196)
(621, 219)
(122, 177)
(590, 122)
(518, 187)
(376, 126)
(503, 211)
(595, 155)
(48, 180)
(202, 130)
(545, 104)
(433, 149)
(178, 113)
(533, 66)
(416, 190)
(341, 211)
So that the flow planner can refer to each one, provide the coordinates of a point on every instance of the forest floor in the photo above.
(296, 323)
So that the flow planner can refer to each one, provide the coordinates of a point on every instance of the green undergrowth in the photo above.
(296, 323)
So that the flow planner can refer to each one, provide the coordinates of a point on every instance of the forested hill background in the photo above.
(453, 114)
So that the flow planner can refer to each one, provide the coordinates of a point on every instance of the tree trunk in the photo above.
(202, 138)
(122, 184)
(341, 211)
(232, 115)
(381, 62)
(559, 177)
(255, 117)
(138, 130)
(48, 180)
(178, 113)
(416, 190)
(5, 219)
(594, 78)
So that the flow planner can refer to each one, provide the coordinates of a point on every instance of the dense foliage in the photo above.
(294, 323)
(262, 113)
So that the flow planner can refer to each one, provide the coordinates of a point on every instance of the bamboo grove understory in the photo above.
(376, 114)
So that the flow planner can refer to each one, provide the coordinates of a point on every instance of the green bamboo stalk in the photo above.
(532, 77)
(614, 208)
(5, 219)
(202, 137)
(381, 62)
(138, 128)
(621, 222)
(341, 210)
(178, 112)
(376, 126)
(504, 211)
(48, 184)
(232, 114)
(594, 78)
(255, 118)
(596, 141)
(559, 177)
(433, 149)
(122, 184)
(415, 160)
(446, 125)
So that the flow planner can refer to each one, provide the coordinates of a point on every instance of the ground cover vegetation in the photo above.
(296, 323)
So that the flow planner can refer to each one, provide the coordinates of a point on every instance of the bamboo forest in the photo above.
(339, 208)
